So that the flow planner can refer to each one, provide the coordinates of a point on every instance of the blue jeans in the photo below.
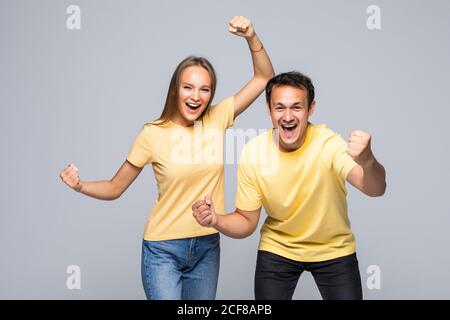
(185, 269)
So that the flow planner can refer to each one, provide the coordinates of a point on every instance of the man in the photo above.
(307, 226)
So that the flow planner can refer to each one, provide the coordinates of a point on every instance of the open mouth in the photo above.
(289, 129)
(193, 107)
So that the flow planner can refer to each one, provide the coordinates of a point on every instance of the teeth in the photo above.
(193, 105)
(288, 125)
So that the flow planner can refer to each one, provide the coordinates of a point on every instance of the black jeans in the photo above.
(337, 279)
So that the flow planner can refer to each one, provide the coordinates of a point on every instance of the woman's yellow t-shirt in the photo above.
(188, 164)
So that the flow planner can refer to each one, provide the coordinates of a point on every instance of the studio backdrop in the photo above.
(78, 80)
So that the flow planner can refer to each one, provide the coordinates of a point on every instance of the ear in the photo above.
(312, 108)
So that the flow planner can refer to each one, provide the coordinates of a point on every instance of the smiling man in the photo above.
(307, 226)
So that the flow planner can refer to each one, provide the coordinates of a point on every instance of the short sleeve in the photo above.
(248, 196)
(342, 163)
(140, 152)
(222, 114)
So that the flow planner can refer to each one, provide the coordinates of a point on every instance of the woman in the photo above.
(180, 259)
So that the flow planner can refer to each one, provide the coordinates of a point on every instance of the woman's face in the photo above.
(194, 94)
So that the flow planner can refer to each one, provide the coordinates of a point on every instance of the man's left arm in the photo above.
(369, 175)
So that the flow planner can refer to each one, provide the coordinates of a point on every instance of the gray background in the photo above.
(82, 96)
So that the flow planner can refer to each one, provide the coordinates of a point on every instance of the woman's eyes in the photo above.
(190, 88)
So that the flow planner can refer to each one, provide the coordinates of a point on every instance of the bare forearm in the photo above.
(262, 65)
(234, 225)
(374, 179)
(102, 190)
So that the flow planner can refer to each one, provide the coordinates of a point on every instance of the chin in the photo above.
(190, 117)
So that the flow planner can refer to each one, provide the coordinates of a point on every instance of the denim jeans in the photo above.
(185, 269)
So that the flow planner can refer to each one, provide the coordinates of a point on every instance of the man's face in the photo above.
(289, 112)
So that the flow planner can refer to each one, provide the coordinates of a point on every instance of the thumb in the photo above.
(208, 199)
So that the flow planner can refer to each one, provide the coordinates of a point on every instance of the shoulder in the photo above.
(328, 143)
(225, 102)
(257, 144)
(324, 136)
(148, 129)
(222, 107)
(321, 132)
(260, 140)
(155, 127)
(149, 132)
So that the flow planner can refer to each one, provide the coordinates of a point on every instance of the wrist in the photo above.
(78, 187)
(369, 163)
(217, 222)
(251, 38)
(258, 49)
(254, 43)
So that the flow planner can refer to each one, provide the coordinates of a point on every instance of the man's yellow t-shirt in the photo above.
(303, 193)
(188, 164)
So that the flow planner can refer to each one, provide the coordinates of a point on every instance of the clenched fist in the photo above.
(359, 147)
(70, 177)
(204, 212)
(241, 26)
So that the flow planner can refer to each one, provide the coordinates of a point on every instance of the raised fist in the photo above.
(359, 147)
(241, 26)
(70, 177)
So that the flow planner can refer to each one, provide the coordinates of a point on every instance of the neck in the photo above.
(181, 121)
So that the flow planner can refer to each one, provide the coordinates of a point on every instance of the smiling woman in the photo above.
(180, 258)
(191, 91)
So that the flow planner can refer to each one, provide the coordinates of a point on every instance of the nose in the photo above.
(288, 115)
(196, 95)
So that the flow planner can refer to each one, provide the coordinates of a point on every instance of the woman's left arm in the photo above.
(262, 67)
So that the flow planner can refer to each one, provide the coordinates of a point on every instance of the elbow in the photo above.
(270, 75)
(116, 192)
(243, 235)
(264, 78)
(379, 192)
(382, 190)
(249, 231)
(114, 197)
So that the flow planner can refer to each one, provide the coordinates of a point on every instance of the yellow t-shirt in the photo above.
(303, 193)
(188, 164)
